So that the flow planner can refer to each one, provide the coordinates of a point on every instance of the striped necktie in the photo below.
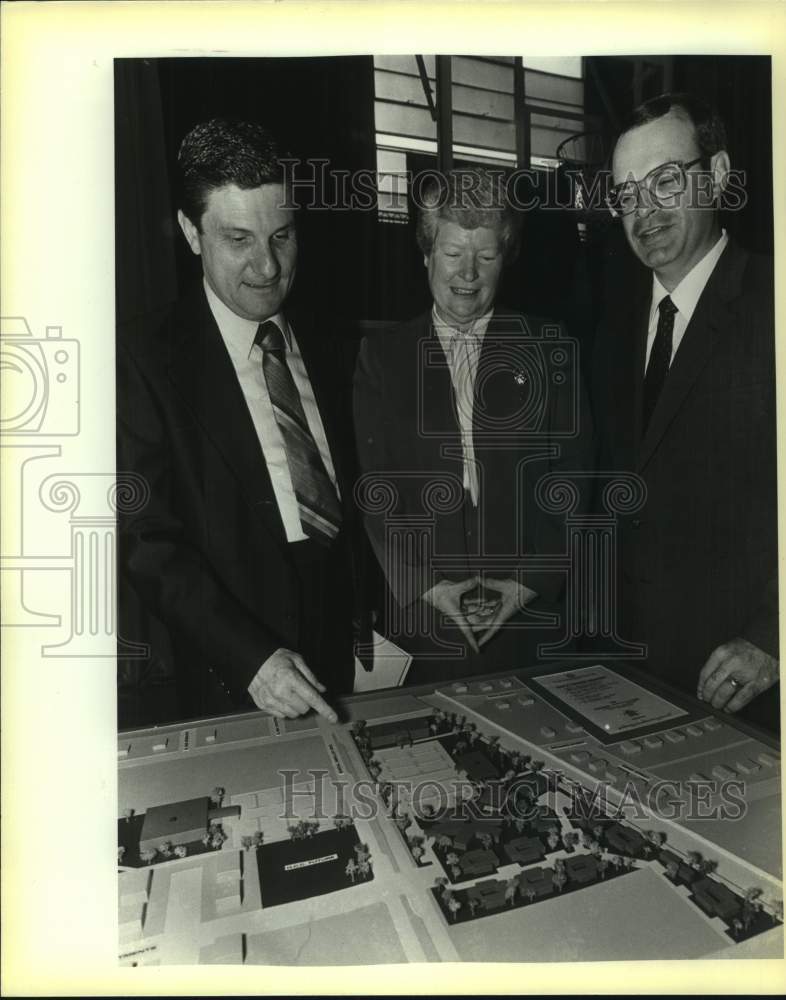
(320, 511)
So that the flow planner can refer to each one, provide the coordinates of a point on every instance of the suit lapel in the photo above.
(202, 373)
(437, 399)
(708, 323)
(640, 322)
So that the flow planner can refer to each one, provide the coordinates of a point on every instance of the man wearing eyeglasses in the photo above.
(684, 394)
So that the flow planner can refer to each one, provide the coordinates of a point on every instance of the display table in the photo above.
(559, 813)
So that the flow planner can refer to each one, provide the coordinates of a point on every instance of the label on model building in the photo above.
(311, 861)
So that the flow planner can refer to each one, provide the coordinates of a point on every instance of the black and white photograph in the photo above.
(447, 464)
(391, 550)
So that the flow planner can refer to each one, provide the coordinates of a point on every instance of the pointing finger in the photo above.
(316, 701)
(300, 663)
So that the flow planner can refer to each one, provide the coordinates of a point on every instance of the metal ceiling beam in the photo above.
(424, 81)
(444, 102)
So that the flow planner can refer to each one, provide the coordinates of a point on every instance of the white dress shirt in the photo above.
(238, 335)
(685, 297)
(462, 351)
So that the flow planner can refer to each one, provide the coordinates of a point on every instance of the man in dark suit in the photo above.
(458, 414)
(231, 413)
(684, 394)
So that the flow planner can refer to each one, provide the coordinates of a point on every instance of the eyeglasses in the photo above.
(663, 184)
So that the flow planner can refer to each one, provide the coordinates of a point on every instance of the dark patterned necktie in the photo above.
(660, 358)
(320, 512)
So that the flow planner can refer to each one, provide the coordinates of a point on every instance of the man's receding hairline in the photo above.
(676, 110)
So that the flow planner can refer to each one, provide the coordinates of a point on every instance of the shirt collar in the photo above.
(688, 292)
(446, 330)
(237, 332)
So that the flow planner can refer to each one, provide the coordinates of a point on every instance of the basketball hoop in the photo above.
(583, 159)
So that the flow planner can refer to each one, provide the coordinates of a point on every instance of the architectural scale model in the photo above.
(551, 814)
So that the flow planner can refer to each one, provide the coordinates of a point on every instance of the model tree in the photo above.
(511, 888)
(217, 836)
(147, 857)
(351, 869)
(180, 851)
(120, 853)
(485, 840)
(247, 842)
(454, 906)
(258, 839)
(751, 907)
(217, 796)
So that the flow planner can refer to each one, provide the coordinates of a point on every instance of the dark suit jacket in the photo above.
(207, 554)
(699, 560)
(526, 393)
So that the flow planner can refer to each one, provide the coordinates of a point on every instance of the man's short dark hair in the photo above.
(221, 152)
(707, 123)
(471, 198)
